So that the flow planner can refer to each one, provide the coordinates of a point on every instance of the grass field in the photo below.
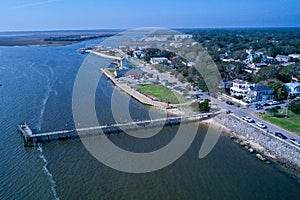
(162, 93)
(292, 123)
(112, 70)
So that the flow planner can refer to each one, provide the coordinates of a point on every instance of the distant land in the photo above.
(51, 38)
(66, 37)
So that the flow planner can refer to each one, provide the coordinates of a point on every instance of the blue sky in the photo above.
(101, 14)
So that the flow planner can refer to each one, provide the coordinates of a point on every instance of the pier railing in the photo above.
(31, 139)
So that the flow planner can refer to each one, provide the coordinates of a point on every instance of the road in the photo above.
(250, 112)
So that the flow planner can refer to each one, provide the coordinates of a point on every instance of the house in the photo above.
(189, 64)
(183, 36)
(158, 60)
(283, 58)
(293, 89)
(226, 84)
(295, 56)
(134, 73)
(269, 60)
(138, 54)
(260, 93)
(240, 88)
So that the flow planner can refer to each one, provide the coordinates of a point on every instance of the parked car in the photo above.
(229, 102)
(250, 120)
(295, 142)
(280, 135)
(228, 111)
(261, 125)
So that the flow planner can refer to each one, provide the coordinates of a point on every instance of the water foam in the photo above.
(47, 172)
(49, 88)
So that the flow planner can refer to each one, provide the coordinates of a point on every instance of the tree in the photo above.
(280, 90)
(294, 106)
(204, 106)
(273, 111)
(266, 73)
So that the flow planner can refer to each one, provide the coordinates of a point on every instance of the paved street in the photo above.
(250, 113)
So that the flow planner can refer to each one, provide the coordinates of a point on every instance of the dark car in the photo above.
(229, 102)
(280, 135)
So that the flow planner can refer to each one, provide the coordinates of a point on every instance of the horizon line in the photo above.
(172, 28)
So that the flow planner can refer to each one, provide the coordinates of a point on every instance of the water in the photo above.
(37, 88)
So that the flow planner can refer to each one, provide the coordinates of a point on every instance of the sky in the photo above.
(19, 15)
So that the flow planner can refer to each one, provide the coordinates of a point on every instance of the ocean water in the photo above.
(37, 84)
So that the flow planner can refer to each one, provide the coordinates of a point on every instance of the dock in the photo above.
(31, 139)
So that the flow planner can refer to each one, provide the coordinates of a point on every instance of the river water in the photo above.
(37, 85)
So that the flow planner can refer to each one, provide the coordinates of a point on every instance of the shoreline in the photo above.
(141, 97)
(265, 147)
(256, 141)
(103, 55)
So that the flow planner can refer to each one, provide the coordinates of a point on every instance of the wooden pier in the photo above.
(31, 139)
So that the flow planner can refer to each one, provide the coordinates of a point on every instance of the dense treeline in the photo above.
(235, 41)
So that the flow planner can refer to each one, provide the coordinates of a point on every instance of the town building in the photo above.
(183, 36)
(283, 58)
(138, 54)
(158, 60)
(260, 93)
(134, 73)
(293, 89)
(295, 56)
(240, 88)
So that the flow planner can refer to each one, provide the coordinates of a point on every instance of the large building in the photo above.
(293, 89)
(240, 88)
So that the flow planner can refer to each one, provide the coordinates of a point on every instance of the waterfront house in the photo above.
(293, 89)
(251, 92)
(240, 88)
(260, 93)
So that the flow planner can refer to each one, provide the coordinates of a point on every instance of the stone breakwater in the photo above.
(258, 140)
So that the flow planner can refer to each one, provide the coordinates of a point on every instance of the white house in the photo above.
(240, 88)
(251, 92)
(182, 36)
(293, 89)
(158, 60)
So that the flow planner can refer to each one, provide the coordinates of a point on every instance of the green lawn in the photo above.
(162, 93)
(112, 70)
(291, 123)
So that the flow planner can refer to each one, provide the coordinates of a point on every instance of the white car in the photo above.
(248, 119)
(260, 125)
(295, 142)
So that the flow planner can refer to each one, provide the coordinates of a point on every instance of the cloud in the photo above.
(40, 3)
